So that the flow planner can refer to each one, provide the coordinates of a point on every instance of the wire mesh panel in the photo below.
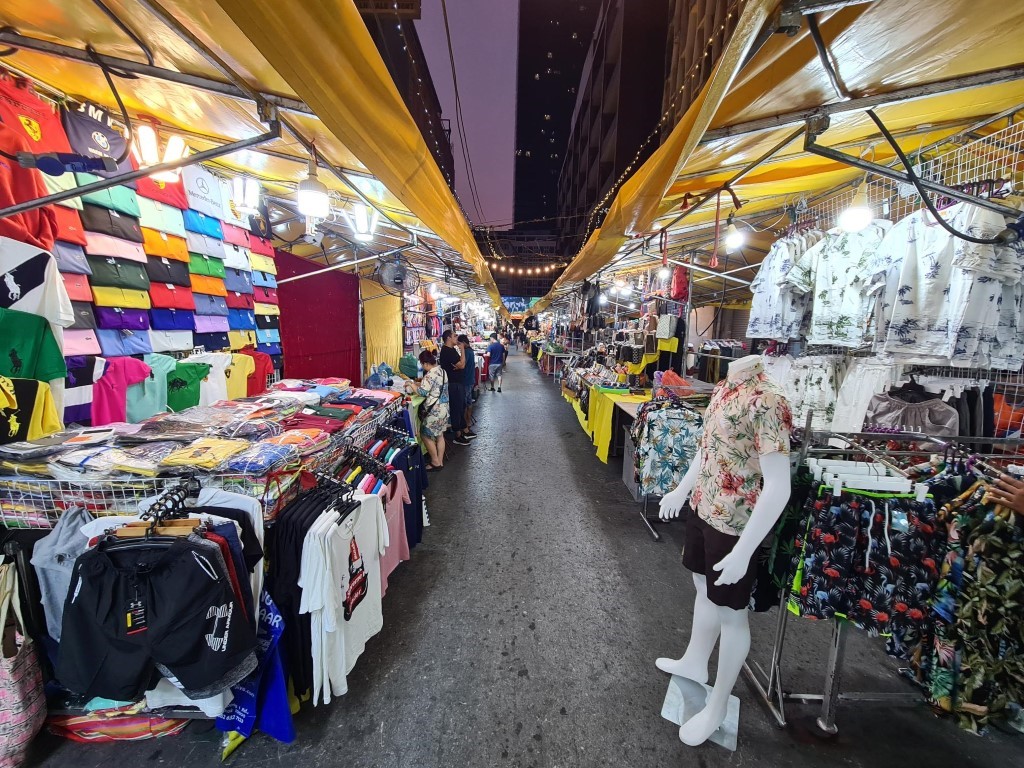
(28, 502)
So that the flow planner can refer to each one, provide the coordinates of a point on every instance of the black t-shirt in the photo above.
(449, 359)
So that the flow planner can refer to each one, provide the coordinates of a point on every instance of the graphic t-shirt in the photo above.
(110, 392)
(183, 385)
(215, 384)
(202, 190)
(27, 410)
(39, 226)
(28, 349)
(238, 373)
(364, 538)
(91, 132)
(149, 396)
(744, 421)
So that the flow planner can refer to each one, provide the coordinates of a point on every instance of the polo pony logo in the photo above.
(31, 128)
(15, 362)
(13, 289)
(13, 425)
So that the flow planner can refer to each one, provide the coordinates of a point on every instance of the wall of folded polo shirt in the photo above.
(149, 268)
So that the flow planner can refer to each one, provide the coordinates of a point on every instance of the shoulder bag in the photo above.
(22, 703)
(667, 326)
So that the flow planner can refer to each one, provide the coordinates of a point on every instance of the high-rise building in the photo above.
(618, 105)
(396, 38)
(553, 39)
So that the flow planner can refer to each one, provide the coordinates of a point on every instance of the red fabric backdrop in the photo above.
(319, 321)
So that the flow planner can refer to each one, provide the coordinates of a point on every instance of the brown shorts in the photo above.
(705, 547)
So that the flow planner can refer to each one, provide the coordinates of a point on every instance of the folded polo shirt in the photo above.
(205, 245)
(69, 225)
(202, 189)
(196, 221)
(77, 287)
(105, 245)
(161, 270)
(267, 309)
(265, 295)
(277, 362)
(105, 221)
(260, 263)
(269, 349)
(260, 245)
(118, 273)
(235, 235)
(236, 257)
(172, 320)
(268, 337)
(70, 258)
(170, 193)
(241, 320)
(118, 319)
(264, 279)
(80, 342)
(169, 296)
(211, 324)
(161, 217)
(268, 322)
(170, 341)
(239, 300)
(124, 343)
(211, 341)
(157, 243)
(211, 305)
(105, 296)
(119, 198)
(84, 317)
(206, 266)
(212, 286)
(241, 339)
(238, 280)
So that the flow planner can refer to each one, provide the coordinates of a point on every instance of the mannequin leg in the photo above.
(707, 625)
(731, 655)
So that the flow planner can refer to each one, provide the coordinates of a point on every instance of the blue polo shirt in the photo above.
(497, 353)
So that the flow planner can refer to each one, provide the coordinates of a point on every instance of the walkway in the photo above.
(524, 632)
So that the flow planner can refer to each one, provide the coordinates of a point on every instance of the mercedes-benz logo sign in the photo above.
(204, 187)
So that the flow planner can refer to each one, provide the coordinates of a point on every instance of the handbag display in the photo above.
(22, 703)
(637, 355)
(667, 326)
(651, 344)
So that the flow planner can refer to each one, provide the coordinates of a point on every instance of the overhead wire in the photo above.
(460, 124)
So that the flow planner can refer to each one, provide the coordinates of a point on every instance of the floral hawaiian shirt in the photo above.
(745, 420)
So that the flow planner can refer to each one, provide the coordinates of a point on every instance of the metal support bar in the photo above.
(833, 678)
(859, 104)
(891, 173)
(198, 82)
(705, 270)
(807, 7)
(69, 194)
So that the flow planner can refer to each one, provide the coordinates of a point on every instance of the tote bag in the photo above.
(22, 703)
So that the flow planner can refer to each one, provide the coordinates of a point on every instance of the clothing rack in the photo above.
(768, 683)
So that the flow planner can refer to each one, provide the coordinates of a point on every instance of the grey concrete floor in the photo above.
(524, 630)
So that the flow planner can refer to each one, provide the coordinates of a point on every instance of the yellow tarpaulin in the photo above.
(382, 325)
(323, 50)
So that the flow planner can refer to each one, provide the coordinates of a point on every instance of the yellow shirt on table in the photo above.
(238, 373)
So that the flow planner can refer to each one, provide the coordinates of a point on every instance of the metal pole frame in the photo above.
(69, 194)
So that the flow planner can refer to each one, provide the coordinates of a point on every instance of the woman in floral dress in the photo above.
(434, 388)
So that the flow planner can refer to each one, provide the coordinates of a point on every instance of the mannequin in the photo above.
(748, 415)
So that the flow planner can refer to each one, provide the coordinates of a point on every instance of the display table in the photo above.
(602, 412)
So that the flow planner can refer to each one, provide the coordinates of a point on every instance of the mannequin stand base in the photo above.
(685, 698)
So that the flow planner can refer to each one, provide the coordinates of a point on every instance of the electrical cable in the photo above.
(117, 98)
(833, 76)
(127, 30)
(470, 177)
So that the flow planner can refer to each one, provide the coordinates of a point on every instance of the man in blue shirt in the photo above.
(468, 382)
(497, 352)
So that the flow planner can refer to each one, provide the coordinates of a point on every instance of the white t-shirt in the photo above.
(202, 189)
(361, 615)
(215, 386)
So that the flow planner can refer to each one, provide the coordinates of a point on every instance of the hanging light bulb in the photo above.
(664, 273)
(433, 291)
(363, 221)
(858, 215)
(619, 282)
(626, 290)
(245, 194)
(602, 299)
(632, 305)
(734, 239)
(146, 149)
(314, 201)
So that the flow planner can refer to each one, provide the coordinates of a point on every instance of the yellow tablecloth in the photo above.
(602, 409)
(664, 345)
(575, 403)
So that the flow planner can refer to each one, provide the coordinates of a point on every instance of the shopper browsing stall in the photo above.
(468, 382)
(453, 362)
(434, 412)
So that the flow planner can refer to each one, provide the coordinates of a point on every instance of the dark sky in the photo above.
(484, 39)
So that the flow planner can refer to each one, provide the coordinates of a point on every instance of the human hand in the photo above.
(672, 502)
(733, 567)
(1008, 491)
